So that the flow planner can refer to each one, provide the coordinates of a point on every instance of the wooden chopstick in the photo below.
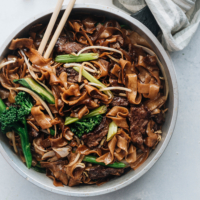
(59, 28)
(50, 26)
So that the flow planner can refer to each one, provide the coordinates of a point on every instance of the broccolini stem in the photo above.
(92, 159)
(2, 106)
(39, 169)
(98, 111)
(92, 79)
(23, 133)
(68, 58)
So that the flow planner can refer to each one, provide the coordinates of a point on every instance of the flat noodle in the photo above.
(40, 117)
(127, 68)
(118, 148)
(94, 92)
(131, 82)
(118, 115)
(83, 111)
(109, 157)
(140, 160)
(30, 68)
(103, 67)
(161, 67)
(84, 150)
(152, 137)
(156, 103)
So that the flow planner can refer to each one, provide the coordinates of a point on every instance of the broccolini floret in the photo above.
(85, 125)
(24, 100)
(14, 118)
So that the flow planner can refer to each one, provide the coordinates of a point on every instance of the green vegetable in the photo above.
(38, 169)
(111, 131)
(125, 26)
(52, 132)
(92, 79)
(37, 88)
(92, 159)
(85, 125)
(98, 111)
(24, 100)
(68, 58)
(2, 106)
(14, 118)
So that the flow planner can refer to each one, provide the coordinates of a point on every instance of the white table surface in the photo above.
(175, 176)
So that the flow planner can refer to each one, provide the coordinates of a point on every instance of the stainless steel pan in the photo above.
(172, 103)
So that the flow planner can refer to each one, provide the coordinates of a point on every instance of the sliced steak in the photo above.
(103, 172)
(139, 118)
(68, 47)
(92, 139)
(72, 75)
(33, 132)
(119, 101)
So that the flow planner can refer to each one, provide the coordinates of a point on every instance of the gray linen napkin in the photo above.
(178, 19)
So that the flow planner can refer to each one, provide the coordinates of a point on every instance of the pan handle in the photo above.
(146, 17)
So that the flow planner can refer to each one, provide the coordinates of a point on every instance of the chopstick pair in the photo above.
(58, 30)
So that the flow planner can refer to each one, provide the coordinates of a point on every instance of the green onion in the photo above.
(99, 111)
(37, 88)
(92, 159)
(68, 58)
(92, 79)
(111, 131)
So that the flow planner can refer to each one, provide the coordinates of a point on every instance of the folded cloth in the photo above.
(178, 19)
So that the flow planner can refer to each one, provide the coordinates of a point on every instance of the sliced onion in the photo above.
(39, 148)
(48, 154)
(75, 160)
(63, 152)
